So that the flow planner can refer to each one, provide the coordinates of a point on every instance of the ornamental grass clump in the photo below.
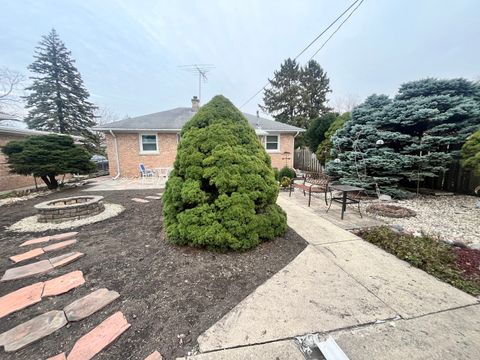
(222, 192)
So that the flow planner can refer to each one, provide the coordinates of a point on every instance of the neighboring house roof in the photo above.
(174, 119)
(25, 132)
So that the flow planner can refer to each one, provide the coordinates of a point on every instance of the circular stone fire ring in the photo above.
(391, 211)
(71, 208)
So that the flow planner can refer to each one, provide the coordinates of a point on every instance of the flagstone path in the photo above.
(45, 324)
(64, 236)
(86, 306)
(40, 251)
(40, 267)
(99, 338)
(32, 294)
(154, 356)
(143, 201)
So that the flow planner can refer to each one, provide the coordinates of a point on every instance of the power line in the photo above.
(326, 29)
(338, 28)
(311, 43)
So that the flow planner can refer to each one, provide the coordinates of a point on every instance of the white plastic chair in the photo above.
(145, 173)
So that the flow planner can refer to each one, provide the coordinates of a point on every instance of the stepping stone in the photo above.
(33, 330)
(65, 259)
(154, 356)
(59, 245)
(63, 236)
(99, 338)
(58, 357)
(63, 284)
(86, 306)
(39, 240)
(140, 200)
(153, 197)
(24, 271)
(27, 255)
(20, 299)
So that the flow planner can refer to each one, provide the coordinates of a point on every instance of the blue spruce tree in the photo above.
(417, 135)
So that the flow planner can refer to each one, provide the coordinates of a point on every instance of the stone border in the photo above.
(31, 223)
(73, 208)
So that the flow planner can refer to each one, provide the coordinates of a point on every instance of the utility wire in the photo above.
(326, 29)
(311, 43)
(338, 28)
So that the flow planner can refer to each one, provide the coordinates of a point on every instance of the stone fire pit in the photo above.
(67, 209)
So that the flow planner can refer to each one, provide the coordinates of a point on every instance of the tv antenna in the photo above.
(201, 71)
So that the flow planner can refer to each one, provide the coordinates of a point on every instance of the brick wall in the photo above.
(286, 145)
(130, 156)
(9, 181)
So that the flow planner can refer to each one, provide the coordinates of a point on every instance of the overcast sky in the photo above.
(128, 52)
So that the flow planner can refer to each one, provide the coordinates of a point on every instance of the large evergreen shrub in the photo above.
(222, 192)
(407, 139)
(47, 157)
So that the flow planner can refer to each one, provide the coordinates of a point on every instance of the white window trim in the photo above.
(140, 144)
(277, 150)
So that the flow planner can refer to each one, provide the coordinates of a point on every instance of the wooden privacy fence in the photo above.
(305, 160)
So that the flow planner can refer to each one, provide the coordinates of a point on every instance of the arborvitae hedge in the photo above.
(222, 192)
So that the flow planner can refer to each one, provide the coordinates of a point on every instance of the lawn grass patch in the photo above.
(426, 253)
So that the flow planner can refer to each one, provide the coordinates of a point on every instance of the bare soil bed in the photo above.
(165, 290)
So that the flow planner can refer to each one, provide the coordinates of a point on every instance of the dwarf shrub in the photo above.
(286, 171)
(222, 192)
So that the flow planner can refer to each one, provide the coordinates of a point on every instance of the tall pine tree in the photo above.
(297, 95)
(314, 87)
(282, 99)
(58, 100)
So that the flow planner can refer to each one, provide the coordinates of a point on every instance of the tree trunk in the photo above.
(50, 181)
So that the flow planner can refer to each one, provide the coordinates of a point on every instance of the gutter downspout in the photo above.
(116, 155)
(298, 132)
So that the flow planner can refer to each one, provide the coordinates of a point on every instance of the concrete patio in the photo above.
(106, 183)
(375, 305)
(352, 218)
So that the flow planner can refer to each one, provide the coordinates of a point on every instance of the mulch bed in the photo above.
(165, 290)
(468, 260)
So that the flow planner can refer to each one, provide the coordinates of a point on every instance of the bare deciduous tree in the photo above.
(11, 103)
(346, 103)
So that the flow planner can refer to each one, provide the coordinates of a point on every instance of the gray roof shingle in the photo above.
(174, 119)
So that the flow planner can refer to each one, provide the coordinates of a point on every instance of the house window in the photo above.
(148, 143)
(272, 142)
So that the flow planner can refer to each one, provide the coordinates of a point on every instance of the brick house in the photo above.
(9, 181)
(152, 140)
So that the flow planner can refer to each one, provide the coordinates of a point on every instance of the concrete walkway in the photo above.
(375, 305)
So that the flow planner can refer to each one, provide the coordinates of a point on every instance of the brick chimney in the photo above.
(195, 104)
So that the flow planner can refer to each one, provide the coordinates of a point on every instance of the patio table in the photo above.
(345, 199)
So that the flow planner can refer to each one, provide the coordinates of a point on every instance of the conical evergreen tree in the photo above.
(222, 192)
(58, 100)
